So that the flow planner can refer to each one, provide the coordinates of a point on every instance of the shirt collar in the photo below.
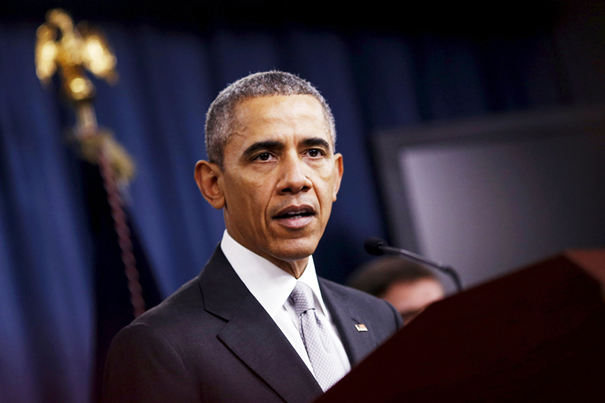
(269, 284)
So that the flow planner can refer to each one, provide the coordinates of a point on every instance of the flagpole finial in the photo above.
(73, 50)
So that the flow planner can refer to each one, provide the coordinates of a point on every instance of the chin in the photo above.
(295, 249)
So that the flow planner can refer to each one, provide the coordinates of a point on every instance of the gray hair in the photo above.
(220, 117)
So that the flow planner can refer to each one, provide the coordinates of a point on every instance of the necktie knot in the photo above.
(302, 298)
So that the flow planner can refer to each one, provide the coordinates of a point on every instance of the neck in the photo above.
(296, 268)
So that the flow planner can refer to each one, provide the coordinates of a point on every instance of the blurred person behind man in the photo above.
(408, 286)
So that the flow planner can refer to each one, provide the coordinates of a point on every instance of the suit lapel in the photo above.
(252, 335)
(357, 344)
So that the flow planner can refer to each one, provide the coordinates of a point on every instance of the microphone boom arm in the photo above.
(377, 246)
(439, 266)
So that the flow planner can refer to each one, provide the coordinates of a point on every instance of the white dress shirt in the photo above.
(271, 286)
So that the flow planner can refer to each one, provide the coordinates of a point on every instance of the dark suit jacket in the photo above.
(211, 341)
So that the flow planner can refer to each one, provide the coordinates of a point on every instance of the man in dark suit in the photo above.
(257, 325)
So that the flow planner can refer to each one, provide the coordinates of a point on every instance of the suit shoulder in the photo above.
(351, 293)
(174, 324)
(185, 301)
(361, 301)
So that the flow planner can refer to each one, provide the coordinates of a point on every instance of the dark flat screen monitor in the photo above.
(491, 194)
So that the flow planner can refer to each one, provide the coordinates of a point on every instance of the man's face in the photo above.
(410, 299)
(280, 176)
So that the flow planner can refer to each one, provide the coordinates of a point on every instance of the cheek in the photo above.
(238, 196)
(253, 200)
(327, 190)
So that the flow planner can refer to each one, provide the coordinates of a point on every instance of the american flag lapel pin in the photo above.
(361, 327)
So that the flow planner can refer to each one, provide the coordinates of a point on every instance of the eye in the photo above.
(263, 156)
(315, 152)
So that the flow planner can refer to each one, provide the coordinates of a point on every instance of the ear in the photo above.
(339, 170)
(208, 177)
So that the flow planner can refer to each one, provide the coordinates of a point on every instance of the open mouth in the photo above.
(295, 212)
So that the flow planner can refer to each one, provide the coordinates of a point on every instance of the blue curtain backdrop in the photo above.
(373, 80)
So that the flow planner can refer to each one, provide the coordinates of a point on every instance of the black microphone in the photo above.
(377, 246)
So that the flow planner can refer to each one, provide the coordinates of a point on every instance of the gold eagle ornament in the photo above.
(73, 50)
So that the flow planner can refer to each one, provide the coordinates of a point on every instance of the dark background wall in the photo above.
(378, 67)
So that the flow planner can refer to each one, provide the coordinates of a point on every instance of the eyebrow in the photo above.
(316, 141)
(263, 145)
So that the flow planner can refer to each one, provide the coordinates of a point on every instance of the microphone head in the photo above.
(374, 246)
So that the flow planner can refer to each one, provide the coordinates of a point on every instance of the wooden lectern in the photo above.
(536, 335)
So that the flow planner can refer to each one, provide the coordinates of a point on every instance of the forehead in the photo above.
(281, 115)
(418, 292)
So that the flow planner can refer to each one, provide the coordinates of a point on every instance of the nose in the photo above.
(292, 176)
